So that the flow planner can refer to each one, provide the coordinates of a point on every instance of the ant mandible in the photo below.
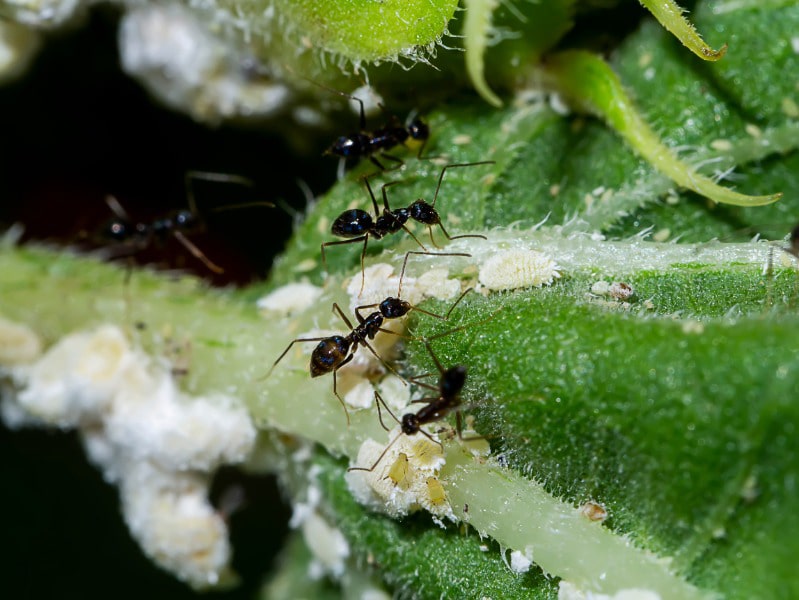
(138, 235)
(358, 225)
(333, 352)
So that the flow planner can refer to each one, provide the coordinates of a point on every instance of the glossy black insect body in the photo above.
(333, 352)
(436, 408)
(134, 236)
(358, 225)
(371, 144)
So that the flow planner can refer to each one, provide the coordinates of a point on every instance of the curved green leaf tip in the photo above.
(670, 15)
(371, 31)
(476, 26)
(590, 85)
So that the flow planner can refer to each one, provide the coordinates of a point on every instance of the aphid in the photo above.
(333, 352)
(399, 470)
(435, 491)
(135, 236)
(358, 225)
(371, 144)
(435, 408)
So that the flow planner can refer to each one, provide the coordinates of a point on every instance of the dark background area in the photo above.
(74, 130)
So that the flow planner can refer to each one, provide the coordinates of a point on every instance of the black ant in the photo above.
(138, 235)
(370, 143)
(359, 225)
(333, 352)
(436, 408)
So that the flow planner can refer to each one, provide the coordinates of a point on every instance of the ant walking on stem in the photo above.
(333, 352)
(358, 225)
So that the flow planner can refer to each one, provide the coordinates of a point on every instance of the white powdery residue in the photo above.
(44, 14)
(513, 269)
(795, 44)
(76, 380)
(520, 562)
(406, 478)
(18, 344)
(569, 591)
(328, 546)
(170, 516)
(290, 299)
(178, 432)
(159, 445)
(178, 56)
(362, 395)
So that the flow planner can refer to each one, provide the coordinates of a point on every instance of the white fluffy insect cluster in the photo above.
(159, 445)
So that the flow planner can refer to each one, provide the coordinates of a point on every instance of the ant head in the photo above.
(452, 381)
(328, 355)
(352, 223)
(394, 308)
(410, 424)
(418, 129)
(423, 212)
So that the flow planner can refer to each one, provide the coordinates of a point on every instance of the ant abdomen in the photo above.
(352, 223)
(348, 146)
(329, 355)
(453, 380)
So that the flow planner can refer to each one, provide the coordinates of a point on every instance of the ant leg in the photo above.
(378, 164)
(191, 176)
(456, 237)
(335, 389)
(378, 357)
(385, 197)
(338, 243)
(395, 159)
(416, 239)
(451, 308)
(197, 253)
(459, 430)
(279, 358)
(379, 458)
(405, 264)
(430, 437)
(344, 318)
(455, 166)
(379, 400)
(372, 194)
(116, 207)
(359, 308)
(460, 328)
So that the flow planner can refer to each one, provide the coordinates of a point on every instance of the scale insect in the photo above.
(358, 225)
